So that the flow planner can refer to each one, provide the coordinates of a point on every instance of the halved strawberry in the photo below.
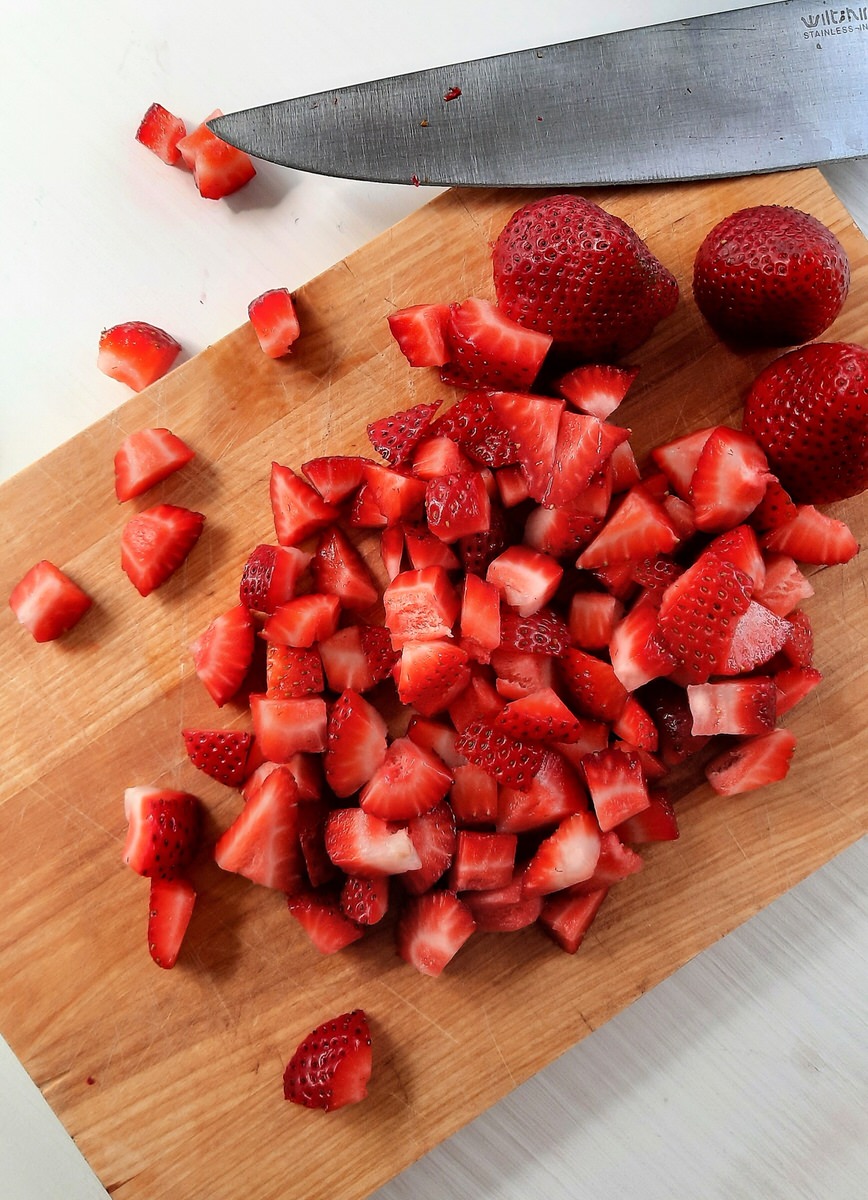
(532, 423)
(698, 612)
(431, 673)
(170, 907)
(335, 476)
(47, 602)
(639, 528)
(617, 785)
(218, 168)
(432, 929)
(656, 823)
(509, 761)
(292, 671)
(473, 795)
(420, 605)
(539, 717)
(526, 579)
(163, 831)
(363, 900)
(262, 842)
(482, 861)
(160, 131)
(734, 706)
(812, 537)
(155, 542)
(554, 793)
(488, 349)
(298, 510)
(220, 753)
(339, 569)
(567, 856)
(136, 353)
(752, 763)
(145, 458)
(395, 437)
(270, 576)
(303, 620)
(274, 321)
(457, 506)
(362, 844)
(471, 422)
(419, 331)
(332, 1066)
(410, 781)
(593, 684)
(223, 653)
(320, 915)
(433, 836)
(356, 743)
(729, 481)
(592, 619)
(596, 388)
(568, 918)
(283, 727)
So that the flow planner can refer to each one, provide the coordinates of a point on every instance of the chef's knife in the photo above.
(759, 89)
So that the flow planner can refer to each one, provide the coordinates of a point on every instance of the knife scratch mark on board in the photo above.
(420, 1012)
(496, 1045)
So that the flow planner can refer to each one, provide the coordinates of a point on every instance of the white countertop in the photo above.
(744, 1075)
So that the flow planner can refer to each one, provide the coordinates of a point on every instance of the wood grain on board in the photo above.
(170, 1081)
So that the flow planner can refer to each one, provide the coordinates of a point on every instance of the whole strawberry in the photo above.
(770, 275)
(809, 411)
(565, 266)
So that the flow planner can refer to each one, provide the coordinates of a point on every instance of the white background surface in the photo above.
(745, 1074)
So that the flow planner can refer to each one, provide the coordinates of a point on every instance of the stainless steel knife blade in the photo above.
(769, 88)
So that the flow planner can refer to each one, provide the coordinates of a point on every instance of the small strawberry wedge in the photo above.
(47, 602)
(218, 168)
(222, 654)
(812, 537)
(275, 321)
(136, 353)
(298, 509)
(262, 843)
(332, 1066)
(160, 131)
(362, 844)
(568, 918)
(170, 907)
(396, 437)
(270, 576)
(220, 753)
(568, 856)
(356, 743)
(432, 929)
(729, 481)
(596, 389)
(320, 915)
(155, 542)
(163, 831)
(410, 781)
(146, 458)
(420, 331)
(617, 785)
(434, 839)
(488, 349)
(752, 763)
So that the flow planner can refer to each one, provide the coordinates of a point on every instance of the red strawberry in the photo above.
(364, 901)
(170, 907)
(482, 861)
(270, 576)
(457, 506)
(436, 736)
(471, 422)
(433, 836)
(593, 684)
(559, 532)
(435, 456)
(656, 823)
(362, 844)
(677, 459)
(339, 569)
(567, 918)
(639, 528)
(220, 753)
(392, 551)
(617, 785)
(155, 542)
(479, 700)
(757, 636)
(410, 781)
(160, 131)
(533, 424)
(812, 537)
(432, 929)
(698, 612)
(539, 717)
(505, 909)
(274, 321)
(431, 674)
(668, 706)
(163, 831)
(729, 480)
(567, 856)
(480, 618)
(320, 915)
(298, 510)
(356, 744)
(784, 586)
(335, 476)
(262, 843)
(223, 653)
(419, 331)
(395, 437)
(387, 497)
(303, 620)
(740, 547)
(752, 763)
(775, 508)
(770, 275)
(734, 706)
(565, 266)
(473, 795)
(526, 579)
(47, 602)
(136, 353)
(509, 761)
(592, 619)
(583, 449)
(345, 662)
(420, 605)
(283, 727)
(332, 1066)
(616, 863)
(292, 671)
(597, 389)
(542, 632)
(554, 793)
(489, 349)
(518, 673)
(792, 684)
(809, 411)
(218, 168)
(636, 727)
(478, 550)
(145, 458)
(799, 646)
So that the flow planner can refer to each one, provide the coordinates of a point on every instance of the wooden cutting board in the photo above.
(170, 1082)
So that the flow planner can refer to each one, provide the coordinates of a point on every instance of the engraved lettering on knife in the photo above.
(833, 21)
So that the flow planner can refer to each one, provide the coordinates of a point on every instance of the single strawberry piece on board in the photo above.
(567, 918)
(145, 458)
(362, 844)
(155, 542)
(220, 753)
(47, 602)
(566, 267)
(136, 353)
(170, 907)
(567, 856)
(332, 1066)
(274, 321)
(163, 831)
(752, 763)
(410, 781)
(339, 569)
(812, 537)
(218, 168)
(160, 131)
(770, 275)
(809, 411)
(431, 673)
(320, 915)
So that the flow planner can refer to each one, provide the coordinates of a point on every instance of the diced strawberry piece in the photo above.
(136, 353)
(434, 456)
(410, 781)
(332, 1066)
(218, 168)
(436, 736)
(560, 532)
(395, 437)
(223, 653)
(220, 753)
(617, 785)
(170, 908)
(362, 844)
(668, 706)
(757, 636)
(480, 617)
(298, 510)
(303, 620)
(812, 537)
(270, 576)
(488, 349)
(624, 471)
(395, 495)
(680, 513)
(284, 727)
(339, 569)
(526, 579)
(736, 706)
(483, 861)
(431, 674)
(478, 701)
(792, 684)
(505, 909)
(583, 448)
(532, 423)
(596, 498)
(752, 763)
(568, 918)
(542, 632)
(160, 131)
(478, 550)
(512, 487)
(595, 388)
(432, 929)
(593, 685)
(677, 459)
(419, 331)
(740, 547)
(509, 761)
(567, 856)
(335, 476)
(554, 793)
(519, 673)
(155, 542)
(799, 646)
(420, 605)
(145, 458)
(433, 836)
(344, 660)
(636, 727)
(356, 743)
(698, 613)
(785, 586)
(392, 550)
(592, 735)
(617, 580)
(262, 842)
(776, 507)
(307, 771)
(312, 817)
(615, 864)
(424, 549)
(47, 602)
(654, 576)
(274, 321)
(639, 528)
(365, 901)
(473, 795)
(539, 717)
(656, 823)
(163, 831)
(729, 481)
(320, 916)
(457, 506)
(292, 671)
(471, 422)
(592, 619)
